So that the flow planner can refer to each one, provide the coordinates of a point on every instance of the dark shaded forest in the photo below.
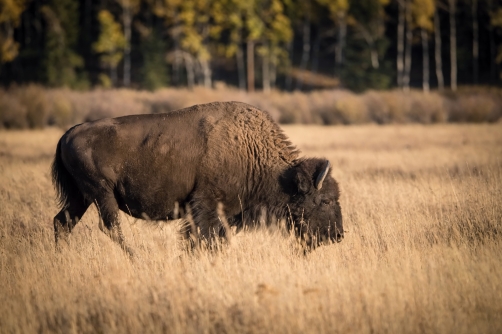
(253, 44)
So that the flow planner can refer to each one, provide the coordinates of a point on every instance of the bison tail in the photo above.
(62, 180)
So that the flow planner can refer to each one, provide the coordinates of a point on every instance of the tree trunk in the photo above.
(289, 76)
(400, 44)
(26, 27)
(199, 75)
(206, 70)
(475, 42)
(453, 46)
(205, 64)
(266, 73)
(425, 60)
(178, 54)
(189, 65)
(177, 65)
(493, 67)
(407, 56)
(250, 59)
(113, 75)
(437, 51)
(375, 63)
(305, 53)
(239, 57)
(342, 34)
(273, 72)
(126, 14)
(371, 45)
(196, 72)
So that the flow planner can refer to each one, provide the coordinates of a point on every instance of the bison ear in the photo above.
(303, 181)
(322, 175)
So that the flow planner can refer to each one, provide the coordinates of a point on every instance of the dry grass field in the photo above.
(422, 207)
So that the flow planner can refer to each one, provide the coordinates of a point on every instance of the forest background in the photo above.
(256, 45)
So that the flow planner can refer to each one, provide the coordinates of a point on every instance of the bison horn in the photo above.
(322, 176)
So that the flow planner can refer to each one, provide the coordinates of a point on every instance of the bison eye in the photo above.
(326, 201)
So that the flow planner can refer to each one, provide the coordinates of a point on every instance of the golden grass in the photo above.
(423, 210)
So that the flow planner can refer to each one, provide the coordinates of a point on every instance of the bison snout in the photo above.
(339, 236)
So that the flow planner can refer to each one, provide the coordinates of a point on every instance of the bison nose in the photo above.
(339, 237)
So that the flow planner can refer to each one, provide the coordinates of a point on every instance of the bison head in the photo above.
(314, 206)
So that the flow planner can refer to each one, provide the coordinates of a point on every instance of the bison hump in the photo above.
(246, 137)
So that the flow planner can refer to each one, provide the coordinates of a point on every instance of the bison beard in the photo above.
(228, 152)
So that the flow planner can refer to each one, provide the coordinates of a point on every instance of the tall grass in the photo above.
(422, 208)
(34, 107)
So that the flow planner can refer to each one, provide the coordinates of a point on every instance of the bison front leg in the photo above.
(209, 232)
(211, 226)
(201, 232)
(109, 221)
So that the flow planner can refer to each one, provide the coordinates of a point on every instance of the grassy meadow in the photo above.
(422, 208)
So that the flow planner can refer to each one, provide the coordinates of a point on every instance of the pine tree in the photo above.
(10, 14)
(61, 61)
(110, 44)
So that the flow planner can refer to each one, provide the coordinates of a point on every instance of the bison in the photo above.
(226, 152)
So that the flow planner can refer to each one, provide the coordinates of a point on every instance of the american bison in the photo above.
(228, 152)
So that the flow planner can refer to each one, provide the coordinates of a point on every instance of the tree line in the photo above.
(251, 44)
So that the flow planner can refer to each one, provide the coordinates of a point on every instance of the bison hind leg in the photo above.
(109, 222)
(68, 217)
